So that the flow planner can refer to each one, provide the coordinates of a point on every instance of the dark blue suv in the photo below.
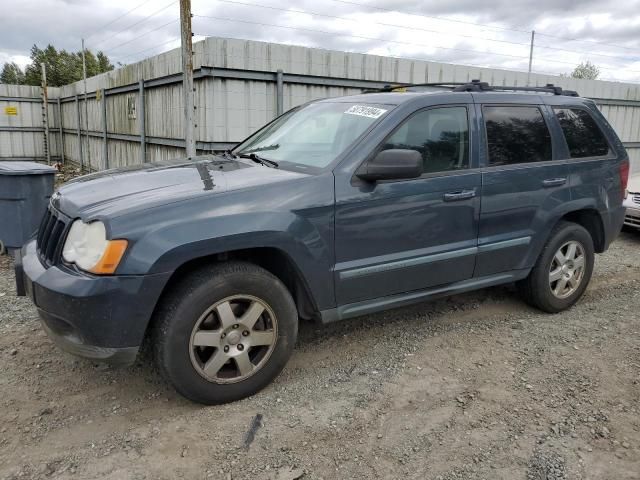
(338, 208)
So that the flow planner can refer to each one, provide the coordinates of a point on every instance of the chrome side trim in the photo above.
(361, 271)
(409, 262)
(514, 242)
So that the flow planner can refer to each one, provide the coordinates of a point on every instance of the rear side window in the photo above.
(516, 135)
(584, 137)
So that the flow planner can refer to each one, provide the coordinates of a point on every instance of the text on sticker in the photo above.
(365, 111)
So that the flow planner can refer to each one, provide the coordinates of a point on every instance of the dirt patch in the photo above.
(477, 386)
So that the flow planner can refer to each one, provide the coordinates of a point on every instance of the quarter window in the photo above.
(516, 135)
(441, 135)
(584, 137)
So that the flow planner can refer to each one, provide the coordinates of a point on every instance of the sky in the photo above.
(488, 33)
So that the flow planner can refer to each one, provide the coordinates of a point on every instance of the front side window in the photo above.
(516, 135)
(584, 137)
(312, 136)
(441, 135)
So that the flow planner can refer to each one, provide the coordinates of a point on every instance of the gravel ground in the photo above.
(477, 386)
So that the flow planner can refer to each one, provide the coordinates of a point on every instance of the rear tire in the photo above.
(224, 332)
(563, 269)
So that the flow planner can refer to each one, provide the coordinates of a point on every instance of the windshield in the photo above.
(314, 135)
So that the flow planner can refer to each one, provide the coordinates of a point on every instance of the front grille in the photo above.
(636, 198)
(51, 235)
(632, 221)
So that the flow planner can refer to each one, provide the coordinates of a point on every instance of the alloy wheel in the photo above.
(233, 339)
(567, 269)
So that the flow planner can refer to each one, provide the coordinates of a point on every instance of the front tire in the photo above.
(225, 332)
(563, 269)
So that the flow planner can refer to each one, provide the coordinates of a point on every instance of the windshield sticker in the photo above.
(365, 111)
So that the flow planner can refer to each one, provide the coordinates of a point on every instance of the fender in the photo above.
(163, 239)
(554, 216)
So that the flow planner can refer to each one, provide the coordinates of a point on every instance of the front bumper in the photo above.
(632, 214)
(102, 318)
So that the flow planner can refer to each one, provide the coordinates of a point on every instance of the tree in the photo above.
(586, 70)
(63, 67)
(12, 74)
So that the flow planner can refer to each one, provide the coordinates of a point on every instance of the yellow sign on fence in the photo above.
(11, 110)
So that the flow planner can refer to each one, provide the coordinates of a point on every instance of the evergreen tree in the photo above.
(63, 67)
(12, 74)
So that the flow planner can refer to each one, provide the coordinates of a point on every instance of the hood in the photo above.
(634, 184)
(116, 192)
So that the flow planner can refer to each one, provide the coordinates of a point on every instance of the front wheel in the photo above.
(225, 332)
(563, 270)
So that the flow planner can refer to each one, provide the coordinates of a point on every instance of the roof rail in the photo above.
(478, 86)
(403, 86)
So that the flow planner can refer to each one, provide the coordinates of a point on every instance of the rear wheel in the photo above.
(563, 270)
(225, 332)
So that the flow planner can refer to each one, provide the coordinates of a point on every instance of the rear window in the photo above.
(516, 135)
(584, 137)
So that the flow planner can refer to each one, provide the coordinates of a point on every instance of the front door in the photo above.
(405, 235)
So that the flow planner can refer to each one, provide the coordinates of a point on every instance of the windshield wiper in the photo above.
(275, 146)
(261, 160)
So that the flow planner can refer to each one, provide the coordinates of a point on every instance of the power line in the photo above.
(635, 49)
(117, 18)
(150, 48)
(580, 51)
(390, 10)
(136, 23)
(316, 14)
(325, 32)
(142, 35)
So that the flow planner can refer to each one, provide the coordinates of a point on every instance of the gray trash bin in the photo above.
(25, 189)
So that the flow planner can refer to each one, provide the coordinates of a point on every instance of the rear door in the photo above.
(523, 179)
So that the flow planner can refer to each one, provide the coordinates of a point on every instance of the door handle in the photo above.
(554, 182)
(457, 196)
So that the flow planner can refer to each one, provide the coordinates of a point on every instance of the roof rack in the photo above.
(478, 86)
(403, 86)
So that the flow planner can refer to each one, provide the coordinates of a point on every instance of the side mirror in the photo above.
(394, 164)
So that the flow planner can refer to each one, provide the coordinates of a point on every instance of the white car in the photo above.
(632, 203)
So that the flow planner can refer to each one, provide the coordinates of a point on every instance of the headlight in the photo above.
(87, 246)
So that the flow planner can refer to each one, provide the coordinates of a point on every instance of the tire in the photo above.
(540, 289)
(233, 311)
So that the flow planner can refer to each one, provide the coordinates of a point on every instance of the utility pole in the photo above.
(187, 73)
(533, 34)
(45, 113)
(86, 108)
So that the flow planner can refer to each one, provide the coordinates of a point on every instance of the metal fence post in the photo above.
(279, 93)
(45, 114)
(105, 140)
(60, 127)
(79, 134)
(143, 138)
